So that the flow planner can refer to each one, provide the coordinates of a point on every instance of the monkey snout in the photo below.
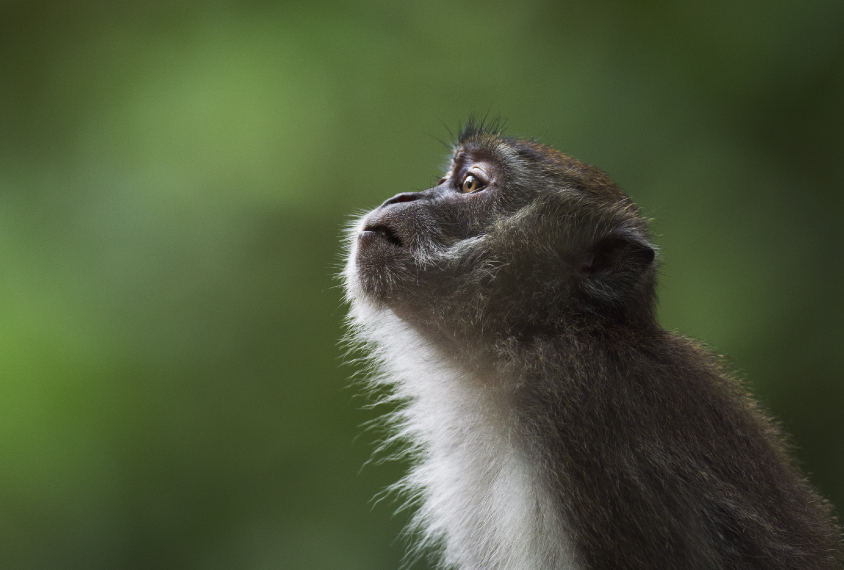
(380, 231)
(399, 198)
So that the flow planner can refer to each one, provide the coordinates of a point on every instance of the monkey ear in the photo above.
(619, 255)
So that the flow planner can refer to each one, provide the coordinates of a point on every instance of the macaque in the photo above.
(553, 423)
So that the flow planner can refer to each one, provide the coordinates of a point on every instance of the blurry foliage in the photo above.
(175, 177)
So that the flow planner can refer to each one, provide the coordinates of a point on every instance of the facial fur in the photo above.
(508, 315)
(450, 261)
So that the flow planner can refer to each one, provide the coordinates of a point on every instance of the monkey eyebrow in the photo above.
(458, 162)
(465, 160)
(462, 164)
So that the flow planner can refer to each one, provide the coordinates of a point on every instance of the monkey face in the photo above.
(514, 236)
(415, 251)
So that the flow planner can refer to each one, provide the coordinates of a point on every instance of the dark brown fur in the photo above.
(669, 464)
(543, 289)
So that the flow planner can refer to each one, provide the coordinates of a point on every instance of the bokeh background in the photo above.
(174, 182)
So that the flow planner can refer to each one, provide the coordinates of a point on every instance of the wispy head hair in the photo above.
(481, 129)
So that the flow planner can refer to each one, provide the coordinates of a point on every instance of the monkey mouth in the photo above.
(380, 231)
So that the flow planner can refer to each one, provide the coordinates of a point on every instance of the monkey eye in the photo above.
(471, 183)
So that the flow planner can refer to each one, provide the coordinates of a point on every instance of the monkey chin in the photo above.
(375, 267)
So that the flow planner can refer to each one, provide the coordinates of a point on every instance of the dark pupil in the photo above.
(470, 183)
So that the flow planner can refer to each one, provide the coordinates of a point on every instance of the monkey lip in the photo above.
(380, 231)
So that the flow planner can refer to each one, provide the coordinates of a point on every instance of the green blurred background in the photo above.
(174, 182)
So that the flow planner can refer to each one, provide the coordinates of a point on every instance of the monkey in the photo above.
(552, 422)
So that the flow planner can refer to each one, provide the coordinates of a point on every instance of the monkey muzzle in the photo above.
(379, 232)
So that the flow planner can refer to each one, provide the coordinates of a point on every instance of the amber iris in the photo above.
(471, 183)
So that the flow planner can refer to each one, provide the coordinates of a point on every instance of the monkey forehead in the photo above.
(484, 138)
(492, 145)
(497, 152)
(551, 161)
(520, 158)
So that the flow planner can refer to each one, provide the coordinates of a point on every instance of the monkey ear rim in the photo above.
(618, 253)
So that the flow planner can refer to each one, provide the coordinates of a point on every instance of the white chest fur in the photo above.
(481, 500)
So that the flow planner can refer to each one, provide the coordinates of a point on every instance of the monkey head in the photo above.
(516, 238)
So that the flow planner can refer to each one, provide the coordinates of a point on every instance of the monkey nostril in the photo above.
(384, 232)
(399, 198)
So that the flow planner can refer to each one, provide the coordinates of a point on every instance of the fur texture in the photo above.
(553, 423)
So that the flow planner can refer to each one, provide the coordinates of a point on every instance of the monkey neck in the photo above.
(508, 436)
(483, 499)
(469, 416)
(572, 451)
(494, 351)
